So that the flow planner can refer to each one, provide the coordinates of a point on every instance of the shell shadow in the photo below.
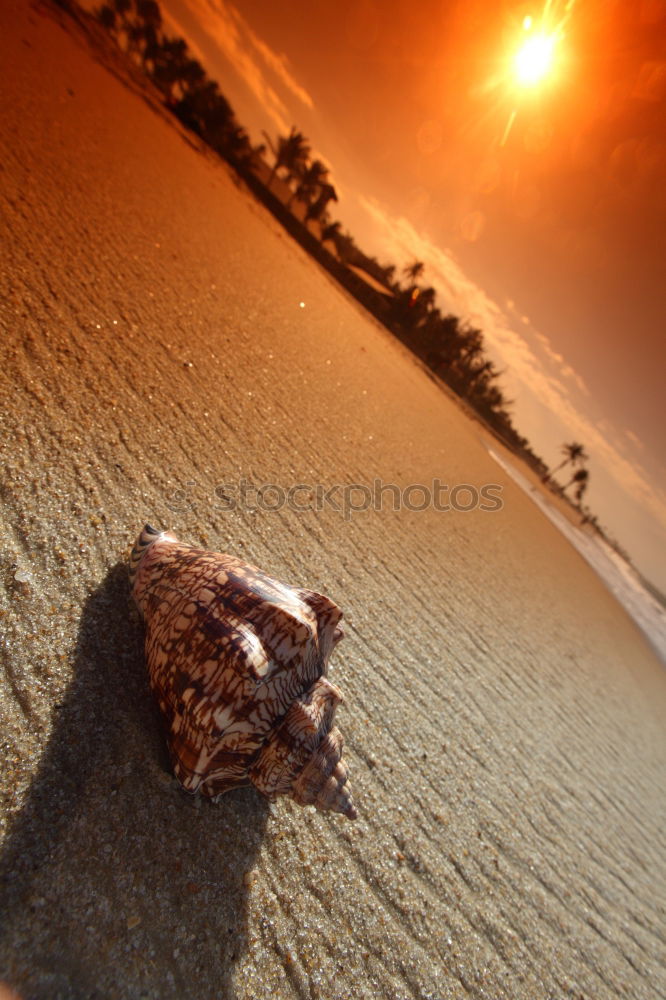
(113, 881)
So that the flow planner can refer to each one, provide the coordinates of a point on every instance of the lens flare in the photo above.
(534, 59)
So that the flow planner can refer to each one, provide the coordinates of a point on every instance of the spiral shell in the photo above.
(237, 662)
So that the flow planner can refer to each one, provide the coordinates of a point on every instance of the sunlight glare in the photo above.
(534, 59)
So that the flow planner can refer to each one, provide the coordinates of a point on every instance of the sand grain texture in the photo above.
(504, 718)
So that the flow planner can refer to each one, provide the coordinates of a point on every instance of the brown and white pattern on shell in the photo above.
(238, 661)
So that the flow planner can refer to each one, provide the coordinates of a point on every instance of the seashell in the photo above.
(237, 661)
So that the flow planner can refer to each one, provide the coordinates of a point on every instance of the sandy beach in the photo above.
(163, 340)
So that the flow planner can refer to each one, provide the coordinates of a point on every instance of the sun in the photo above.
(534, 59)
(537, 59)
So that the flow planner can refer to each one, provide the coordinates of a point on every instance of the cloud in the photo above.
(549, 380)
(261, 68)
(277, 63)
(466, 299)
(635, 440)
(569, 372)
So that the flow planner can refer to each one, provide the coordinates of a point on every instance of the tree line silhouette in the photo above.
(184, 84)
(451, 348)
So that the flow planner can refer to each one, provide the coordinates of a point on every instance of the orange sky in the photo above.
(553, 243)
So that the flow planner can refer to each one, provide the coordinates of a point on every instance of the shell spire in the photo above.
(237, 662)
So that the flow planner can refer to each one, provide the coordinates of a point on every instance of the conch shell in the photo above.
(237, 662)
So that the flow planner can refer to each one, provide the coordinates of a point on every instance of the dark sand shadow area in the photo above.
(157, 895)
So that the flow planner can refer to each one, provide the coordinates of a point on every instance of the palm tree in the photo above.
(427, 297)
(311, 179)
(193, 76)
(419, 303)
(444, 340)
(113, 16)
(581, 478)
(414, 271)
(143, 32)
(237, 143)
(495, 399)
(481, 375)
(574, 454)
(471, 345)
(292, 153)
(205, 111)
(318, 207)
(167, 58)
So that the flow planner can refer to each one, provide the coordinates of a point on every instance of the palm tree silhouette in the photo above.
(113, 16)
(237, 144)
(574, 454)
(164, 59)
(193, 75)
(144, 31)
(311, 179)
(581, 477)
(318, 207)
(471, 345)
(204, 110)
(292, 154)
(427, 298)
(481, 375)
(414, 271)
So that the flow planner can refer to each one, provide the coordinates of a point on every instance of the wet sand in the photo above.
(504, 718)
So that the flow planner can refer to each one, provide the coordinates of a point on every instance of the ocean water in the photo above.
(618, 575)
